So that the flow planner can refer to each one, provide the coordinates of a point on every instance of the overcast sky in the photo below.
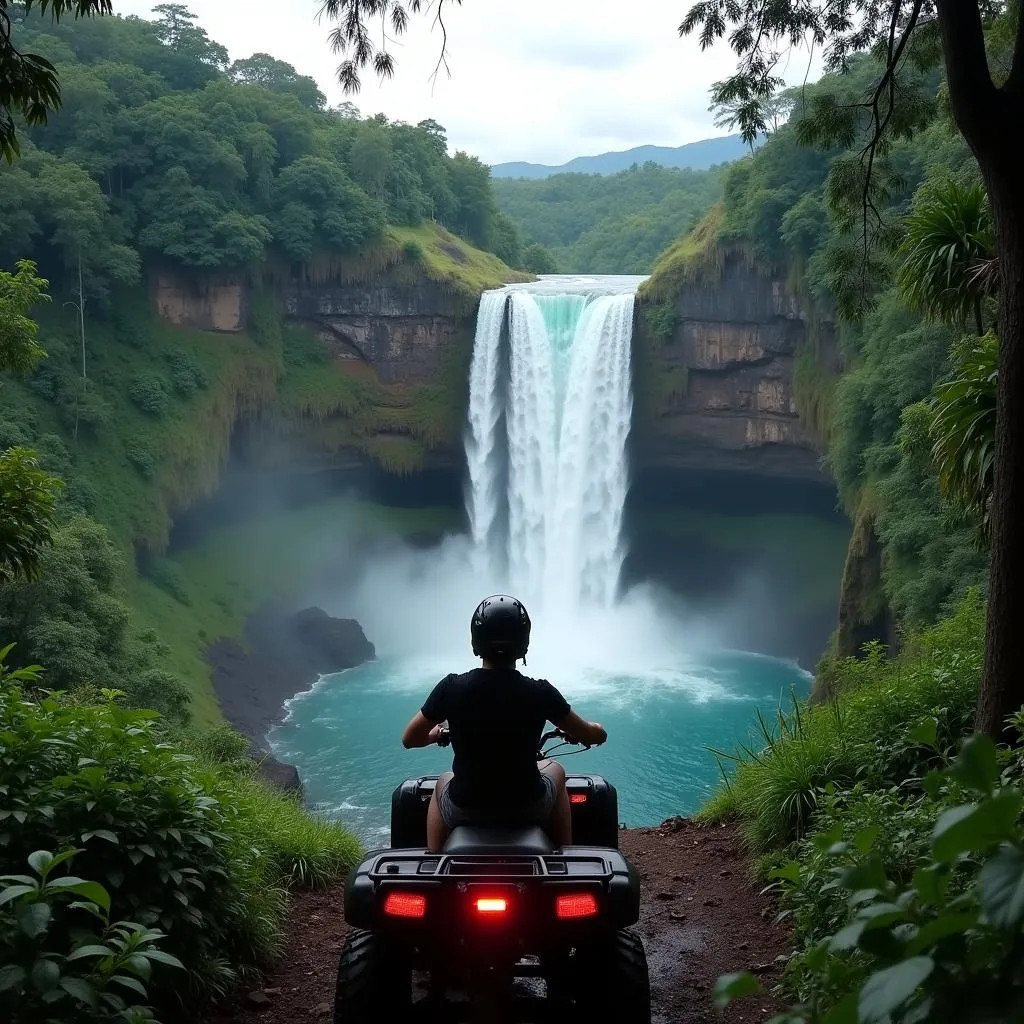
(539, 80)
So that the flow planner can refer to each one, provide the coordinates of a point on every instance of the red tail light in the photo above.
(577, 798)
(576, 904)
(405, 904)
(491, 905)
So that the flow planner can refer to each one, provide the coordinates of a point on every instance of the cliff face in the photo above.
(716, 388)
(402, 332)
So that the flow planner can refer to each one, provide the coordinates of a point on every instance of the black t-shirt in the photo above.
(495, 717)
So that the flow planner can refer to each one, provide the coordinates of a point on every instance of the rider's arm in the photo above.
(420, 732)
(581, 730)
(424, 727)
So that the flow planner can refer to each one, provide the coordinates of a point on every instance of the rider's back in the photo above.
(495, 717)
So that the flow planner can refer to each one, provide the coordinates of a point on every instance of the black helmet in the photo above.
(500, 628)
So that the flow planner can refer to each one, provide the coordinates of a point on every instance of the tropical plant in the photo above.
(19, 292)
(940, 940)
(947, 252)
(59, 968)
(964, 430)
(28, 503)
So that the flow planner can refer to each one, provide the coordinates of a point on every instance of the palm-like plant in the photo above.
(963, 430)
(948, 262)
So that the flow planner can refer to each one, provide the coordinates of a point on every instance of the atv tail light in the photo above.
(576, 904)
(577, 798)
(491, 905)
(405, 904)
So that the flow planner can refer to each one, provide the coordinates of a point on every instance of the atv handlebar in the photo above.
(444, 739)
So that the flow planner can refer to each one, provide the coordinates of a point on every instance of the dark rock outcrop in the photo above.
(284, 652)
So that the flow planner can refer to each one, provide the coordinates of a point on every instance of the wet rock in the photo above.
(284, 777)
(322, 1010)
(668, 895)
(258, 1000)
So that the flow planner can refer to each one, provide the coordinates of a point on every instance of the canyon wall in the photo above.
(715, 390)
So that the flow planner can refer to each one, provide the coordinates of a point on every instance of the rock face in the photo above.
(719, 391)
(403, 332)
(209, 305)
(287, 651)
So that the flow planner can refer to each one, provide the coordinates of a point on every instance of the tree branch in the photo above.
(971, 92)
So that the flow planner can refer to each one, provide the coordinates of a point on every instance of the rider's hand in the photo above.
(602, 734)
(437, 734)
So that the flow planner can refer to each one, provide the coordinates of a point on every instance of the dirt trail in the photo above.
(701, 916)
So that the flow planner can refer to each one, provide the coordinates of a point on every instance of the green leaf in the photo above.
(888, 989)
(45, 975)
(128, 982)
(926, 732)
(12, 892)
(163, 958)
(734, 986)
(868, 874)
(80, 989)
(975, 826)
(865, 838)
(11, 976)
(91, 950)
(33, 918)
(848, 937)
(977, 765)
(844, 1012)
(941, 928)
(1001, 880)
(100, 833)
(790, 871)
(90, 890)
(140, 966)
(40, 862)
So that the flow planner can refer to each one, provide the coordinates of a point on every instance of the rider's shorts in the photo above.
(537, 813)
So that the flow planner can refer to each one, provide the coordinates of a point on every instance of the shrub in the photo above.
(141, 456)
(149, 392)
(937, 937)
(413, 251)
(187, 376)
(662, 319)
(58, 965)
(201, 852)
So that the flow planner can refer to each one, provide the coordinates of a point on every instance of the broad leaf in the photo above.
(128, 982)
(90, 890)
(87, 951)
(977, 765)
(163, 958)
(941, 928)
(11, 976)
(80, 989)
(888, 989)
(12, 892)
(40, 861)
(33, 918)
(45, 975)
(926, 732)
(1001, 880)
(975, 826)
(734, 986)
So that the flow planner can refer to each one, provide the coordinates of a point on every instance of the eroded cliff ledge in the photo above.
(715, 377)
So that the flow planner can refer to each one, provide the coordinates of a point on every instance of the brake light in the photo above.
(491, 905)
(577, 798)
(405, 904)
(576, 904)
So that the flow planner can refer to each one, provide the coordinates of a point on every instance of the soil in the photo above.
(701, 916)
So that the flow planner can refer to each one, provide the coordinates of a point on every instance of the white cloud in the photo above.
(540, 80)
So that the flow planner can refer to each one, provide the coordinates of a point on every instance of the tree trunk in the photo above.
(1002, 686)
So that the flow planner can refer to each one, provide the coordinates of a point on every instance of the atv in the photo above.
(496, 905)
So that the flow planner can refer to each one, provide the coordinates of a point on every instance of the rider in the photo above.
(495, 718)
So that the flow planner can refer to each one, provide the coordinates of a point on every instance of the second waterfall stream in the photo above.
(549, 414)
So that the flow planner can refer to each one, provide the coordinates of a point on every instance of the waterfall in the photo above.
(546, 442)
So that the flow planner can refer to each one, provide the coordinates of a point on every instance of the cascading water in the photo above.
(565, 408)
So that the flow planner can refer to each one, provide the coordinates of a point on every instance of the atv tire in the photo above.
(374, 984)
(611, 981)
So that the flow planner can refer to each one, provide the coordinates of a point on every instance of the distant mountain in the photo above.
(696, 155)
